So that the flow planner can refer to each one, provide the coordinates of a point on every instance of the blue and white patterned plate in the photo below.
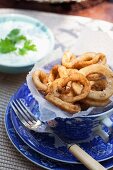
(38, 159)
(47, 144)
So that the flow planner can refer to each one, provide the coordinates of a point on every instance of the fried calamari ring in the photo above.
(68, 59)
(93, 57)
(96, 103)
(62, 71)
(76, 78)
(66, 89)
(71, 71)
(54, 86)
(69, 107)
(89, 60)
(87, 56)
(99, 85)
(95, 77)
(53, 73)
(40, 78)
(77, 87)
(70, 94)
(101, 69)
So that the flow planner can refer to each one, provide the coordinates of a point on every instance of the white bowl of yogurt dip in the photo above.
(34, 31)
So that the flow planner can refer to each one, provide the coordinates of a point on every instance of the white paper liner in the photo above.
(84, 44)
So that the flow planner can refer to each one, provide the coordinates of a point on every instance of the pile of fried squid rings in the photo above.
(78, 83)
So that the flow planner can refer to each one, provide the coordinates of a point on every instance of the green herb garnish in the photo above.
(28, 46)
(6, 46)
(15, 36)
(9, 44)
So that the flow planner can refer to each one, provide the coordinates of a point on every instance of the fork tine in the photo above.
(28, 111)
(25, 123)
(20, 112)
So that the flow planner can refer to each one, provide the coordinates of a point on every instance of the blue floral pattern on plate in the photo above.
(38, 159)
(47, 144)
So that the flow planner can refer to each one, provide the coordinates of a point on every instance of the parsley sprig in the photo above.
(28, 46)
(6, 46)
(15, 37)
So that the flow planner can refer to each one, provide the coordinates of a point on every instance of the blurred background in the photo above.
(101, 9)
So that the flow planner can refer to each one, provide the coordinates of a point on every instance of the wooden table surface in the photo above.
(101, 11)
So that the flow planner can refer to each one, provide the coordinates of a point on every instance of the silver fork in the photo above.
(27, 118)
(30, 121)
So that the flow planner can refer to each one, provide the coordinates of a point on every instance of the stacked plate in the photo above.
(45, 149)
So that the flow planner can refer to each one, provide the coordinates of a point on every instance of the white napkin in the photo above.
(94, 41)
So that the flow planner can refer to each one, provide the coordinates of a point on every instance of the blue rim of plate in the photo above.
(37, 158)
(30, 154)
(100, 152)
(34, 21)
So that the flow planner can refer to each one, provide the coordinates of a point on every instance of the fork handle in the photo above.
(85, 158)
